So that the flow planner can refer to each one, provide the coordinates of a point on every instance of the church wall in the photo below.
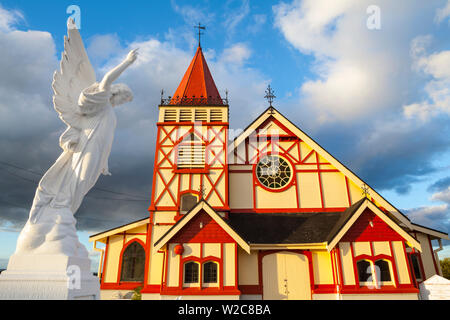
(241, 195)
(156, 258)
(115, 245)
(248, 268)
(429, 264)
(323, 270)
(401, 263)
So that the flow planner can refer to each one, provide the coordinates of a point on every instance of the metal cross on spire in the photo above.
(200, 28)
(270, 96)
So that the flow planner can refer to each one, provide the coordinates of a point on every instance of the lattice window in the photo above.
(274, 172)
(133, 263)
(191, 271)
(210, 272)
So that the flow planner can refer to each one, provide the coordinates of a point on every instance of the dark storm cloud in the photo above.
(440, 185)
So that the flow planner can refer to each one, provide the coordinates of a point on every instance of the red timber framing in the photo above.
(201, 230)
(289, 147)
(167, 184)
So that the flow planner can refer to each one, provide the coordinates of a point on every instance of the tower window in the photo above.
(191, 153)
(416, 267)
(188, 201)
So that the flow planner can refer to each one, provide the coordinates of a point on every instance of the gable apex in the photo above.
(272, 112)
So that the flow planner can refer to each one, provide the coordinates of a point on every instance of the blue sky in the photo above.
(378, 100)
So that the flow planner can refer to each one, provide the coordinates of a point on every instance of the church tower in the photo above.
(191, 146)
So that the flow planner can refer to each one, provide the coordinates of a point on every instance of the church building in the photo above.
(270, 215)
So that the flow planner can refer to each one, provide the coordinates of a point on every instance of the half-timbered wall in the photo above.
(316, 186)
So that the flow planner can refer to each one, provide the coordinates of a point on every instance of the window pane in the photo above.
(188, 201)
(191, 272)
(133, 263)
(364, 270)
(383, 267)
(416, 267)
(210, 272)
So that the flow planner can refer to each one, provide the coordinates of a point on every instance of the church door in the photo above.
(286, 276)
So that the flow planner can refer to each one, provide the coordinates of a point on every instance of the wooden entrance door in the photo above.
(286, 276)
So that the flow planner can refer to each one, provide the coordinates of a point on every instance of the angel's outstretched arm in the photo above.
(112, 75)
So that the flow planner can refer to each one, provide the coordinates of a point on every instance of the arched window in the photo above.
(188, 201)
(364, 270)
(210, 272)
(133, 263)
(191, 270)
(383, 270)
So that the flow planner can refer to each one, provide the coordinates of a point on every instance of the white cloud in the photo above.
(103, 46)
(238, 53)
(443, 195)
(443, 13)
(9, 18)
(436, 66)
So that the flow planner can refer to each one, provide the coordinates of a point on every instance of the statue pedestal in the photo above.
(48, 277)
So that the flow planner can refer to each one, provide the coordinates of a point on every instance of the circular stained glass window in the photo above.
(273, 172)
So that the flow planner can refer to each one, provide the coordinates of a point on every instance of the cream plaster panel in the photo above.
(304, 151)
(211, 250)
(355, 192)
(241, 195)
(347, 263)
(400, 262)
(309, 192)
(323, 270)
(173, 267)
(393, 296)
(164, 217)
(334, 190)
(427, 256)
(381, 247)
(360, 248)
(267, 199)
(248, 267)
(156, 259)
(229, 261)
(191, 250)
(112, 261)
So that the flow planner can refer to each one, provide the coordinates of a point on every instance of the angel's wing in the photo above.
(75, 75)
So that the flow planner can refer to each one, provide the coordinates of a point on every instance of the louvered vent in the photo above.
(185, 115)
(191, 156)
(170, 116)
(216, 115)
(201, 115)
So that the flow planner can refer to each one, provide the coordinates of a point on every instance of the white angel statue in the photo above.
(86, 106)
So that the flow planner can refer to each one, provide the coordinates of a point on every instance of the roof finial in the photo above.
(200, 28)
(270, 96)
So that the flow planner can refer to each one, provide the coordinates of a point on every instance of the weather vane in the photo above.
(365, 191)
(270, 95)
(200, 28)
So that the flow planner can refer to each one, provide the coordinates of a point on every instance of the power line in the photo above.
(96, 188)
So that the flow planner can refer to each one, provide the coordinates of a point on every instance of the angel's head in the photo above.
(120, 94)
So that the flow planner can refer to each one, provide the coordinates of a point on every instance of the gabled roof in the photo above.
(352, 214)
(272, 112)
(202, 206)
(197, 86)
(103, 235)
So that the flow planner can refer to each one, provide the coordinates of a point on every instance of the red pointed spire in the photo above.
(197, 86)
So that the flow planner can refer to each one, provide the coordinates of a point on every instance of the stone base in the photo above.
(48, 277)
